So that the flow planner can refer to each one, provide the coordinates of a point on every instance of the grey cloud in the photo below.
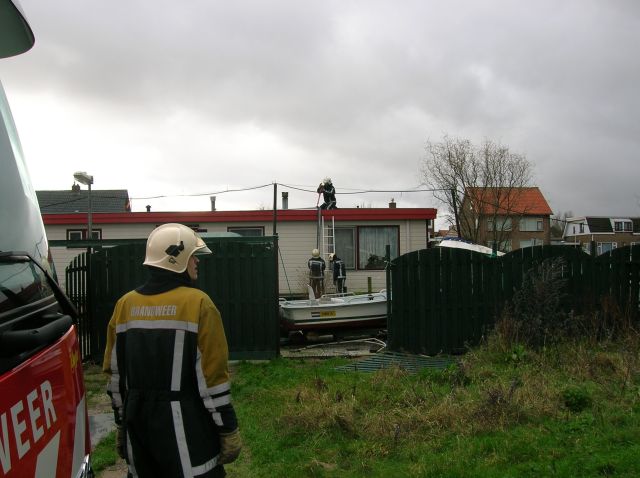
(360, 86)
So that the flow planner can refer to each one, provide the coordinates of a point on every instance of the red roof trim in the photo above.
(357, 214)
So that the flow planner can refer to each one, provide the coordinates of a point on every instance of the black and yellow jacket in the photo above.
(166, 355)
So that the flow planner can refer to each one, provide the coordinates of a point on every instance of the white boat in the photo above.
(334, 311)
(457, 243)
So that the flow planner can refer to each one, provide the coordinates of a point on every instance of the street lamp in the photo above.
(86, 179)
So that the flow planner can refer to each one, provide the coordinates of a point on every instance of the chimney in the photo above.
(392, 204)
(213, 202)
(148, 207)
(285, 200)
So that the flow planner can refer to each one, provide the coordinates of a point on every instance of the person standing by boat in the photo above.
(167, 361)
(316, 273)
(339, 273)
(328, 192)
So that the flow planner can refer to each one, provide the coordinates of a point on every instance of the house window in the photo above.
(581, 228)
(256, 231)
(623, 226)
(499, 224)
(503, 246)
(530, 243)
(81, 234)
(372, 241)
(74, 235)
(531, 224)
(604, 247)
(345, 246)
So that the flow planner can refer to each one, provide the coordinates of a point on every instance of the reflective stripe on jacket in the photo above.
(316, 268)
(339, 270)
(167, 357)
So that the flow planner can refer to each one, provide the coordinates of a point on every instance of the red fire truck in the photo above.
(44, 428)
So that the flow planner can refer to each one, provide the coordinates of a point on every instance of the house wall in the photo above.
(516, 235)
(620, 239)
(544, 235)
(296, 241)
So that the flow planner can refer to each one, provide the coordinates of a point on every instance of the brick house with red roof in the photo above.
(512, 218)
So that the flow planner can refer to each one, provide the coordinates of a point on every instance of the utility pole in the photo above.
(275, 208)
(455, 211)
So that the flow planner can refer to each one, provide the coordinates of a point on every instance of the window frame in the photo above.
(507, 243)
(83, 234)
(538, 227)
(491, 223)
(359, 233)
(599, 247)
(534, 242)
(247, 228)
(623, 226)
(350, 262)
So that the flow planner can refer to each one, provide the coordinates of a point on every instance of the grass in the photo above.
(503, 411)
(104, 454)
(564, 411)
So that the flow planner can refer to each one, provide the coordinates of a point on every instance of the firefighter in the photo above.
(166, 357)
(316, 273)
(328, 192)
(339, 273)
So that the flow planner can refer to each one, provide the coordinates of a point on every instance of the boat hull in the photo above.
(357, 311)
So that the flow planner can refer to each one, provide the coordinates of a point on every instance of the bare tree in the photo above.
(558, 222)
(477, 182)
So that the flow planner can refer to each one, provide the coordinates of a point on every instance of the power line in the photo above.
(204, 194)
(345, 191)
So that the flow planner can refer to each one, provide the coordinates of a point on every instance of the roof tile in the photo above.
(526, 201)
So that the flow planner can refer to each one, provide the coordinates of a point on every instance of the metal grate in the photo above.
(410, 363)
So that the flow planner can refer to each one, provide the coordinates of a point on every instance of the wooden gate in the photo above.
(77, 278)
(240, 277)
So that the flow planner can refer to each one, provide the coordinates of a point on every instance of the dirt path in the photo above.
(119, 470)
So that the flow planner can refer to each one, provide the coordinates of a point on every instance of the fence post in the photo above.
(387, 274)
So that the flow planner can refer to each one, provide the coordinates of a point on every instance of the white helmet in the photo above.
(326, 180)
(171, 245)
(315, 253)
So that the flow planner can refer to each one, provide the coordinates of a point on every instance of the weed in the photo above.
(536, 309)
(518, 353)
(576, 398)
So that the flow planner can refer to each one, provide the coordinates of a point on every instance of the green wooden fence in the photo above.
(445, 299)
(240, 277)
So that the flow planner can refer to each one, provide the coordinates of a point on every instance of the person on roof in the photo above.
(316, 273)
(166, 358)
(328, 192)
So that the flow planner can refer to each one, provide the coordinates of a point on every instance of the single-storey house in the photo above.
(357, 235)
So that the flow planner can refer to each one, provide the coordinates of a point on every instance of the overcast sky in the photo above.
(167, 98)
